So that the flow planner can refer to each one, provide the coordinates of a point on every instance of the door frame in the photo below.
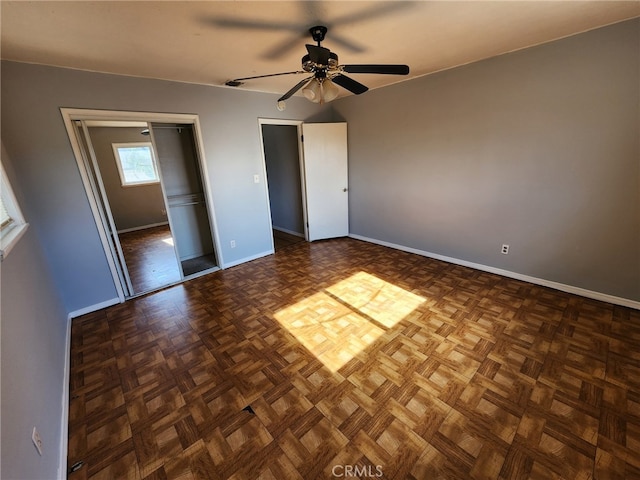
(298, 125)
(71, 115)
(106, 214)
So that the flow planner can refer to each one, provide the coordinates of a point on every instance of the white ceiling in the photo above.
(210, 42)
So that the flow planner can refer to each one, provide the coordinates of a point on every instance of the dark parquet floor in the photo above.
(342, 359)
(150, 257)
(282, 239)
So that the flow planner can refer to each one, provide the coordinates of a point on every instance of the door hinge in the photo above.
(302, 138)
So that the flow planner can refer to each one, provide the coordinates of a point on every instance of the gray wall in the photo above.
(537, 149)
(283, 173)
(132, 207)
(34, 134)
(32, 358)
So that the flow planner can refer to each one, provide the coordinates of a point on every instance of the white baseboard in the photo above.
(143, 227)
(200, 274)
(247, 259)
(604, 297)
(290, 232)
(94, 308)
(64, 427)
(195, 255)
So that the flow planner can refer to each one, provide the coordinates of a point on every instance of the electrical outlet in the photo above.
(233, 243)
(505, 249)
(37, 441)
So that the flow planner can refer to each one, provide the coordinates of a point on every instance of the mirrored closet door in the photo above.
(149, 192)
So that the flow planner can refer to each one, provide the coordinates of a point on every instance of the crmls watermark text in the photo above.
(357, 471)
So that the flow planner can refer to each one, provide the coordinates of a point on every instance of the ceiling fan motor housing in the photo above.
(309, 66)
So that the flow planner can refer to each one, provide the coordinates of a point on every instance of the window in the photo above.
(136, 163)
(12, 224)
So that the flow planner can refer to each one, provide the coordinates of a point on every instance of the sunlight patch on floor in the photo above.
(168, 241)
(341, 321)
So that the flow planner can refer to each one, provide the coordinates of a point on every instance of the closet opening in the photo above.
(146, 180)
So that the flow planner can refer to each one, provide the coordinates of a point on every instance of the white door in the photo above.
(326, 179)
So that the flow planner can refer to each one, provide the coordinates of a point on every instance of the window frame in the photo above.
(13, 230)
(123, 181)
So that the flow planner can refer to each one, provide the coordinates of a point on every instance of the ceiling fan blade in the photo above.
(348, 44)
(297, 87)
(350, 84)
(384, 69)
(380, 9)
(237, 22)
(319, 55)
(279, 50)
(236, 82)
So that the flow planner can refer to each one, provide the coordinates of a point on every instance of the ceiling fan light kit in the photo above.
(326, 72)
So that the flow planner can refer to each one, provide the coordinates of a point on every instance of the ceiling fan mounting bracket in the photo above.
(317, 33)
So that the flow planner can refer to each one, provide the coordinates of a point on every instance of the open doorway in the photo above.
(282, 155)
(316, 179)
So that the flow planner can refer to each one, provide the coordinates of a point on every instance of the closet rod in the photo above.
(183, 204)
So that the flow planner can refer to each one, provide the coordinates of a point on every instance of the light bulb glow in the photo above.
(313, 91)
(329, 90)
(321, 90)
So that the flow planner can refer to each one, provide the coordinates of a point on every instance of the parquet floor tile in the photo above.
(343, 359)
(150, 257)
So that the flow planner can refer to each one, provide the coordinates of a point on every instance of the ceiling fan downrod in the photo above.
(317, 33)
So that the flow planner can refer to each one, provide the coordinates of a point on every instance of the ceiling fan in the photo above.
(326, 72)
